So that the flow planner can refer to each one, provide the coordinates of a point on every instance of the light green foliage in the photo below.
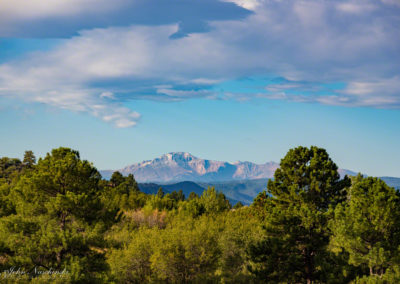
(132, 263)
(183, 251)
(189, 252)
(210, 202)
(214, 201)
(162, 201)
(209, 248)
(367, 227)
(241, 229)
(122, 193)
(192, 207)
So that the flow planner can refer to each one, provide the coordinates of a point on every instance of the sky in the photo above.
(129, 80)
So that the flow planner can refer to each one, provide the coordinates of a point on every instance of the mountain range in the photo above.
(182, 166)
(239, 181)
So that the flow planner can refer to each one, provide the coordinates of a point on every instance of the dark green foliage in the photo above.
(305, 186)
(259, 205)
(238, 205)
(116, 179)
(9, 169)
(122, 193)
(160, 193)
(193, 195)
(59, 220)
(177, 196)
(29, 159)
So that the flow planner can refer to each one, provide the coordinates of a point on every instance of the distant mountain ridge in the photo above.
(241, 190)
(182, 166)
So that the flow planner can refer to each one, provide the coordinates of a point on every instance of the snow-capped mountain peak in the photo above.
(183, 166)
(179, 166)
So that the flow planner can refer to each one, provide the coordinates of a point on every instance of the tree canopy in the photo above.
(61, 222)
(304, 187)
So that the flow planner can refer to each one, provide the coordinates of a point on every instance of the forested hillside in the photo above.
(61, 222)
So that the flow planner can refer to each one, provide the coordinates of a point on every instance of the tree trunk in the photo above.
(309, 266)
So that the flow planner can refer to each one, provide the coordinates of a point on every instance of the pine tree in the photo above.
(304, 188)
(29, 159)
(367, 227)
(116, 179)
(238, 205)
(59, 221)
(160, 193)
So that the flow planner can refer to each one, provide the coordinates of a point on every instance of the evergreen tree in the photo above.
(214, 201)
(367, 227)
(124, 193)
(160, 193)
(59, 221)
(238, 205)
(178, 195)
(116, 179)
(305, 186)
(9, 169)
(193, 195)
(29, 159)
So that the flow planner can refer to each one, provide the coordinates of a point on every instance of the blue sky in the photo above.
(125, 81)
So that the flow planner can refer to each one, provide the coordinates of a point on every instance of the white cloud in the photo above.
(378, 94)
(309, 40)
(108, 95)
(14, 9)
(355, 7)
(65, 18)
(183, 94)
(121, 117)
(247, 4)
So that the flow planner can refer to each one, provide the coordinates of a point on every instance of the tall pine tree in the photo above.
(304, 188)
(59, 219)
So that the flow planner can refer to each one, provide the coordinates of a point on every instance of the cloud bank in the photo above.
(307, 43)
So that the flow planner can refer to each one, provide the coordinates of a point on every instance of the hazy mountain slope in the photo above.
(243, 190)
(392, 181)
(344, 172)
(187, 187)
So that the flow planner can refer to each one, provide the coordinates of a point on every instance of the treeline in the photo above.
(60, 222)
